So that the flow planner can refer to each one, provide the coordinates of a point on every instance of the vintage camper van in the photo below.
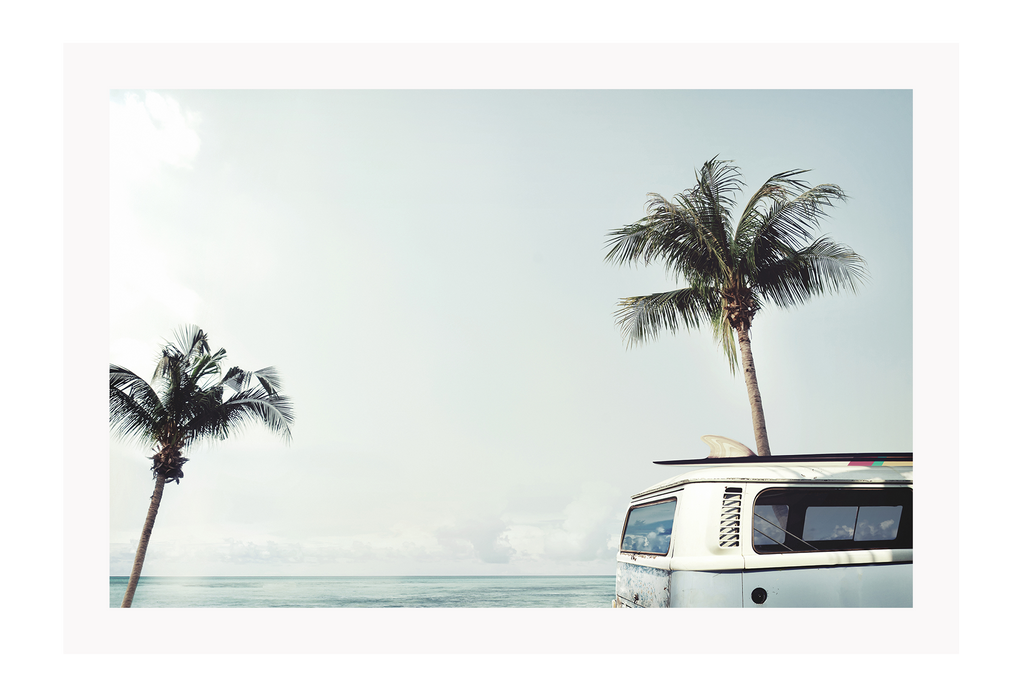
(736, 529)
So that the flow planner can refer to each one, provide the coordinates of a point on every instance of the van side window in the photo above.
(770, 523)
(802, 519)
(649, 528)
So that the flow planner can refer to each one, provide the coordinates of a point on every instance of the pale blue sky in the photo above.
(426, 270)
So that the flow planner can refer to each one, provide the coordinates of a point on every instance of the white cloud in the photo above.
(487, 541)
(146, 132)
(586, 530)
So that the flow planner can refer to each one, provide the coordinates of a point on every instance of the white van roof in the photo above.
(726, 464)
(824, 472)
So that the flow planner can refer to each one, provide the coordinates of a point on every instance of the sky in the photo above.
(426, 270)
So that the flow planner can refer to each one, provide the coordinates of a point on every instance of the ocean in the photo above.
(368, 592)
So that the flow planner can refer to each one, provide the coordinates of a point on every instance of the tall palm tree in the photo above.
(186, 404)
(770, 256)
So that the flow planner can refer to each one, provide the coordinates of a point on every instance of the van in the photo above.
(740, 530)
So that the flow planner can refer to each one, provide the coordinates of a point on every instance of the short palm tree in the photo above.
(770, 256)
(186, 404)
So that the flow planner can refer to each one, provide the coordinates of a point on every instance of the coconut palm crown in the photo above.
(770, 255)
(186, 404)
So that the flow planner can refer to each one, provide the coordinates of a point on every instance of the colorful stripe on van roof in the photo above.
(876, 463)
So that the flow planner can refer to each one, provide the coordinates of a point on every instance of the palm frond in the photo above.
(780, 215)
(642, 318)
(204, 366)
(135, 408)
(256, 405)
(186, 402)
(168, 366)
(824, 266)
(127, 381)
(703, 252)
(691, 235)
(269, 378)
(633, 245)
(253, 405)
(725, 335)
(191, 340)
(717, 181)
(237, 379)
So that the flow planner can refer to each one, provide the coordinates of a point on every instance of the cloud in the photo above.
(486, 540)
(149, 131)
(590, 525)
(587, 529)
(585, 532)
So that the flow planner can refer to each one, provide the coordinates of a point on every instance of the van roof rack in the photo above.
(725, 451)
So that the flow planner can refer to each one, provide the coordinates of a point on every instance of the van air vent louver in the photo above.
(729, 531)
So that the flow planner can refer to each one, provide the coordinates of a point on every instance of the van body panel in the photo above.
(825, 558)
(876, 586)
(693, 589)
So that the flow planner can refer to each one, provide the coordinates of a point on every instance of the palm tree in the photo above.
(186, 404)
(770, 256)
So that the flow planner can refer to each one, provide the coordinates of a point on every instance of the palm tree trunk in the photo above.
(140, 554)
(750, 377)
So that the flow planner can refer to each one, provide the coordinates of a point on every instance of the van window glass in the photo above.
(878, 523)
(649, 528)
(770, 524)
(805, 519)
(830, 523)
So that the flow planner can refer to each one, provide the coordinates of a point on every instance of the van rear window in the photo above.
(799, 519)
(649, 528)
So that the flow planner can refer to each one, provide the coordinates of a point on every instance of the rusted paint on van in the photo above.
(638, 586)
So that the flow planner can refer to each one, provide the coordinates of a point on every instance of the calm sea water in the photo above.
(367, 592)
